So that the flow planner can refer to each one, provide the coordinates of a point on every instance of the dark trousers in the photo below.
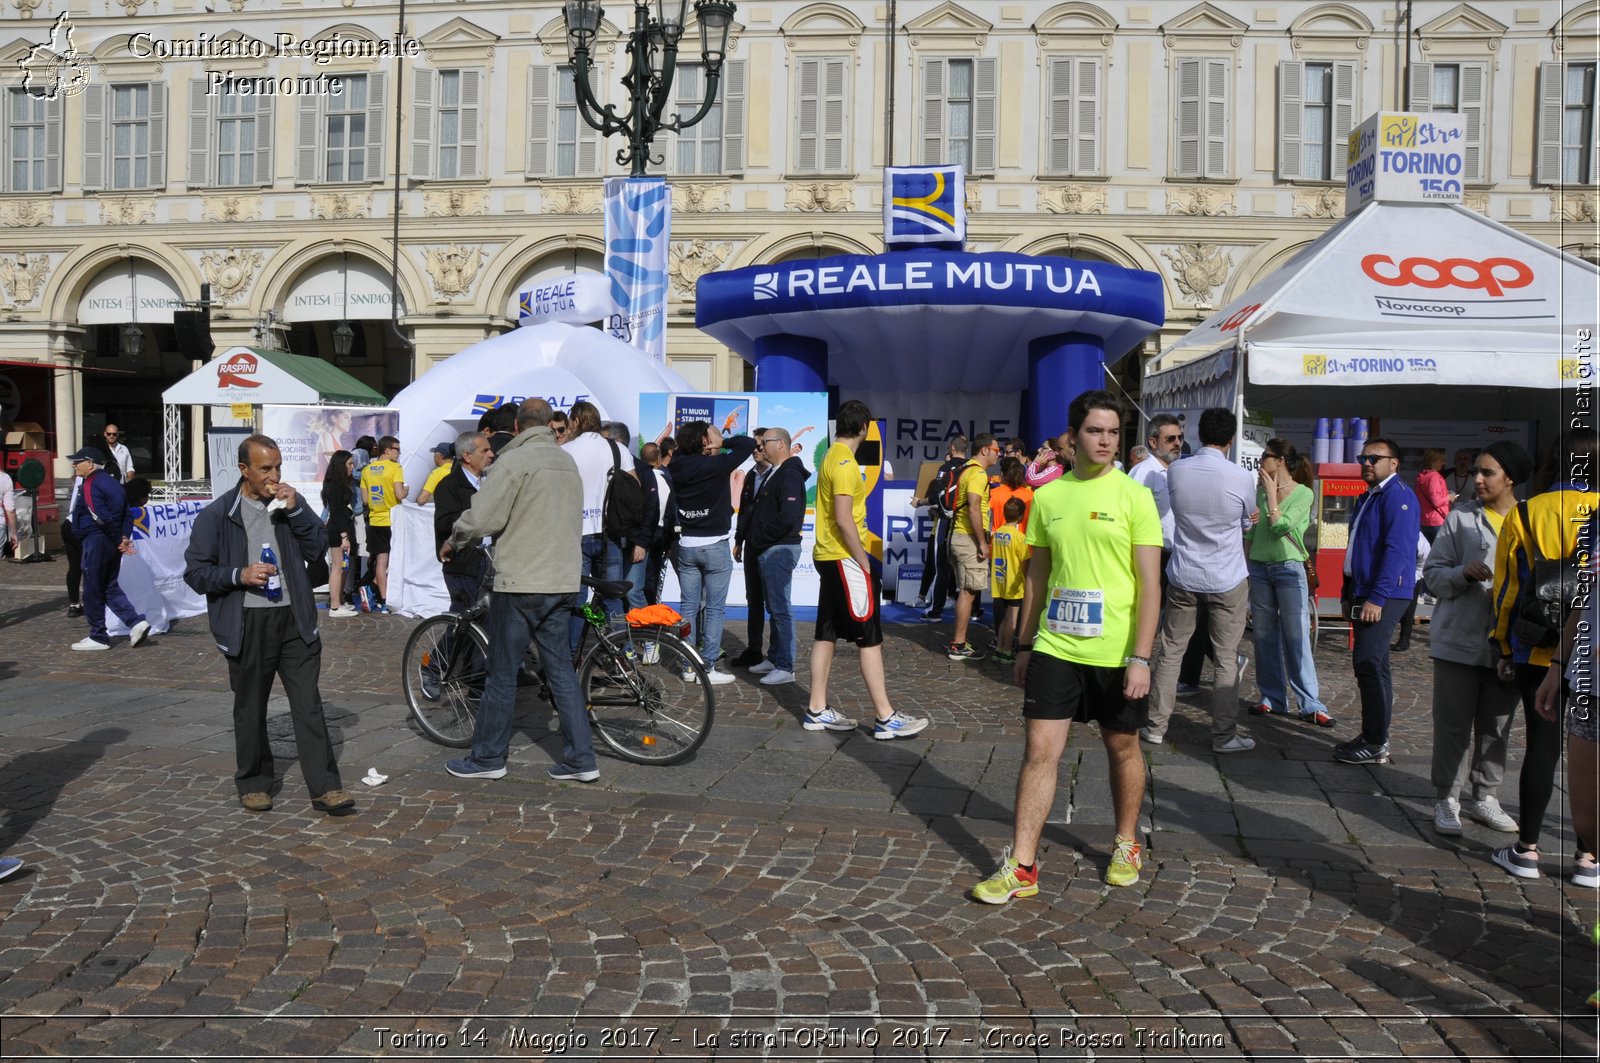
(464, 587)
(755, 600)
(514, 621)
(272, 646)
(944, 575)
(1371, 662)
(74, 548)
(1537, 781)
(655, 570)
(101, 562)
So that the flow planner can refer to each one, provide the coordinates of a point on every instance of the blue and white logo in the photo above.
(766, 285)
(924, 206)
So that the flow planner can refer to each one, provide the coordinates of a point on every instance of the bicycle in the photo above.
(649, 697)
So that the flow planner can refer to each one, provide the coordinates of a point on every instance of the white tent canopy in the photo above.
(558, 362)
(1403, 294)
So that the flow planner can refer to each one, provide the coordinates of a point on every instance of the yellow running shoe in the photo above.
(1008, 882)
(1126, 861)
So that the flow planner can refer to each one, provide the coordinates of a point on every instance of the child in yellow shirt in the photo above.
(1007, 577)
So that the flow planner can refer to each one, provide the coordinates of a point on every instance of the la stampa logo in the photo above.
(56, 68)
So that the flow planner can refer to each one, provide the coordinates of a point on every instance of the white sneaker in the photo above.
(1236, 744)
(138, 633)
(777, 677)
(828, 719)
(89, 645)
(1151, 737)
(651, 653)
(761, 669)
(343, 611)
(922, 603)
(718, 677)
(1447, 816)
(1487, 810)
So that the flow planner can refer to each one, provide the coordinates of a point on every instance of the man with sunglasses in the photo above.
(118, 452)
(1380, 575)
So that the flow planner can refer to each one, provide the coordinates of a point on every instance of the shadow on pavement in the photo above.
(31, 782)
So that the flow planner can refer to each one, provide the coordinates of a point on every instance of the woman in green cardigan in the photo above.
(1280, 614)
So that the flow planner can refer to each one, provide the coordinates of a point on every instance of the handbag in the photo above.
(1553, 584)
(1309, 563)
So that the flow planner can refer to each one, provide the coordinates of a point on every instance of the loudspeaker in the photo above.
(194, 334)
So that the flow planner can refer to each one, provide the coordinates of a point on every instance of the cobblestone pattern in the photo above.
(1290, 906)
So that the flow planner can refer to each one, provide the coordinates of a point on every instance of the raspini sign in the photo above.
(237, 372)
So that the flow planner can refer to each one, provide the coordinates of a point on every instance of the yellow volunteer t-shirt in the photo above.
(378, 482)
(1091, 528)
(431, 484)
(838, 475)
(975, 480)
(1010, 569)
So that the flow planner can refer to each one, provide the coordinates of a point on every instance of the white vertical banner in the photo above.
(638, 232)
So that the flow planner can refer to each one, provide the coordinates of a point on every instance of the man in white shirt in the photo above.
(119, 452)
(1165, 443)
(1212, 503)
(596, 457)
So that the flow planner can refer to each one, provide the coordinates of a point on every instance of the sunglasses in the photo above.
(112, 435)
(1373, 459)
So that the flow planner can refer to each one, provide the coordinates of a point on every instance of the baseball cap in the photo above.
(444, 450)
(86, 455)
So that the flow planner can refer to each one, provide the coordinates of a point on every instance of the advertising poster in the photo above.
(638, 233)
(803, 414)
(222, 458)
(152, 576)
(308, 436)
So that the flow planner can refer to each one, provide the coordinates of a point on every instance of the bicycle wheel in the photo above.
(650, 713)
(445, 666)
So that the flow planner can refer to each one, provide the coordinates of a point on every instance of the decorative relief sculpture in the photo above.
(571, 199)
(23, 278)
(1201, 202)
(688, 262)
(826, 196)
(127, 211)
(1074, 199)
(1199, 269)
(338, 206)
(1319, 203)
(455, 203)
(229, 272)
(25, 213)
(453, 269)
(702, 197)
(232, 208)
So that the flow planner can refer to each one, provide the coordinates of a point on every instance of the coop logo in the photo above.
(1492, 275)
(1238, 317)
(236, 371)
(766, 286)
(56, 68)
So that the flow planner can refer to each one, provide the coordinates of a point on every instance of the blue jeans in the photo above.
(703, 575)
(514, 620)
(777, 573)
(601, 559)
(1280, 618)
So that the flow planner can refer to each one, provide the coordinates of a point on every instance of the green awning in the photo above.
(263, 377)
(334, 385)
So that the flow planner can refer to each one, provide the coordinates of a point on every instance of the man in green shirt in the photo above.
(1089, 618)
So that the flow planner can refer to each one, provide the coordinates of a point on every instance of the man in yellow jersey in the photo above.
(1092, 600)
(382, 488)
(969, 541)
(443, 461)
(847, 604)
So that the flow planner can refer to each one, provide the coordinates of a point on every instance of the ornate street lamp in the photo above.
(653, 59)
(343, 337)
(132, 342)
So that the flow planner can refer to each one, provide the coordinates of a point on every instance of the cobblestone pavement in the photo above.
(785, 894)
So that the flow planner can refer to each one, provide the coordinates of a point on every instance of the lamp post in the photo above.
(652, 61)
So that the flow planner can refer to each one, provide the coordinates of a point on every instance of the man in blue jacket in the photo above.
(262, 637)
(1380, 575)
(777, 510)
(101, 521)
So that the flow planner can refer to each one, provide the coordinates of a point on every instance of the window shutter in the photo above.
(1216, 115)
(540, 87)
(1421, 95)
(158, 135)
(933, 107)
(1058, 117)
(377, 81)
(833, 116)
(590, 146)
(421, 124)
(52, 144)
(809, 124)
(1291, 118)
(1189, 117)
(1474, 83)
(200, 120)
(264, 135)
(1346, 93)
(1551, 100)
(471, 104)
(1086, 130)
(94, 136)
(985, 115)
(307, 138)
(733, 116)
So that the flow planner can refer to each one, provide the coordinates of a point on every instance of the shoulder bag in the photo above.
(1552, 586)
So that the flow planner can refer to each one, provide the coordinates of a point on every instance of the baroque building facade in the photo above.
(151, 146)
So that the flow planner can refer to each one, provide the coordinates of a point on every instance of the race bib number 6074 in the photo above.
(1076, 612)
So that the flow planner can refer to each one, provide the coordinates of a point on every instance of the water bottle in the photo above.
(274, 588)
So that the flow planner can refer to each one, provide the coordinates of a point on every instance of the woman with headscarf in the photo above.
(1473, 708)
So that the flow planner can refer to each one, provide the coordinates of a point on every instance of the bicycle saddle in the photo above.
(609, 588)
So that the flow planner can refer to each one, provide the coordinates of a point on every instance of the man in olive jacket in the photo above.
(533, 509)
(262, 636)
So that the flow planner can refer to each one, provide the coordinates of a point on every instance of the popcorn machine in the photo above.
(1338, 486)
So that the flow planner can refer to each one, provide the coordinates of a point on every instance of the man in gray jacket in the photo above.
(264, 620)
(533, 509)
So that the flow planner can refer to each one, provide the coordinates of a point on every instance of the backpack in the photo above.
(1552, 586)
(945, 491)
(624, 504)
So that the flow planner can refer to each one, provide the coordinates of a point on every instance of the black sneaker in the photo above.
(1363, 753)
(74, 611)
(963, 652)
(747, 659)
